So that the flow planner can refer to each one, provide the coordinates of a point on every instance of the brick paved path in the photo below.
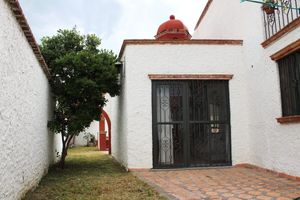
(226, 183)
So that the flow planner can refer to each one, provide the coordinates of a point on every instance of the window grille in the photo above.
(289, 72)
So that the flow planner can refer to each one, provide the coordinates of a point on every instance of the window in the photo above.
(289, 72)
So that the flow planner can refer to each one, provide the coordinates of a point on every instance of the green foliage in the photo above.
(81, 74)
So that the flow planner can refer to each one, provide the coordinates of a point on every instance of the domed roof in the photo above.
(172, 29)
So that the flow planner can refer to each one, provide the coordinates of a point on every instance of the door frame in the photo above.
(185, 124)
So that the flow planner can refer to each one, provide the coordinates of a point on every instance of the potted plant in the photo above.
(90, 139)
(269, 6)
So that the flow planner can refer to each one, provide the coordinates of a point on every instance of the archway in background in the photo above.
(104, 142)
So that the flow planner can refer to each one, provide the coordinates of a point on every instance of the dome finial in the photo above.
(173, 29)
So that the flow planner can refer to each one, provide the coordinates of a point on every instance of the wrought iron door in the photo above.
(191, 123)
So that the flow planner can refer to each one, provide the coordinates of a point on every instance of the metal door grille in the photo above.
(191, 123)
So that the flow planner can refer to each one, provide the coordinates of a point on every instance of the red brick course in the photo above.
(178, 42)
(190, 76)
(292, 47)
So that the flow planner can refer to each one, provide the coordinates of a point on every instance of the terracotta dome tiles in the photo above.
(173, 29)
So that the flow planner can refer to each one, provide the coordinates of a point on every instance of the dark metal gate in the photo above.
(191, 123)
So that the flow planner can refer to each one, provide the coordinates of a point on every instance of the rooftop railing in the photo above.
(283, 14)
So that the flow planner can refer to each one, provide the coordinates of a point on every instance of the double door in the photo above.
(191, 123)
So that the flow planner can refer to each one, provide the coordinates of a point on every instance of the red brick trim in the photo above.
(190, 76)
(290, 27)
(294, 46)
(178, 42)
(138, 170)
(280, 174)
(21, 19)
(288, 119)
(203, 13)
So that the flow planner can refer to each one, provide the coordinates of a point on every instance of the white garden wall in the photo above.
(26, 146)
(272, 145)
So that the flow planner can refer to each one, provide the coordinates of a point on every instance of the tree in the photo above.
(81, 74)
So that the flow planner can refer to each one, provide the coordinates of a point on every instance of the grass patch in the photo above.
(91, 175)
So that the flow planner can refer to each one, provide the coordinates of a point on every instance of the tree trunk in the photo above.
(63, 152)
(63, 158)
(65, 146)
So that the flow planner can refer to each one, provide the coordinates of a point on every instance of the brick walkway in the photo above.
(227, 183)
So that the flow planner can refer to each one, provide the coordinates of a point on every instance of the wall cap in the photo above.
(178, 42)
(203, 13)
(21, 19)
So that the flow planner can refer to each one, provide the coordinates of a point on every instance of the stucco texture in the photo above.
(141, 60)
(255, 100)
(117, 110)
(271, 145)
(27, 147)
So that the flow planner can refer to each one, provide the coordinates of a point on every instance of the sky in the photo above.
(111, 20)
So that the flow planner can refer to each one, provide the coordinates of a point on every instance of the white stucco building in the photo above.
(27, 148)
(228, 96)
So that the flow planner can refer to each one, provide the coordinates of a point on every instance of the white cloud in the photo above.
(111, 20)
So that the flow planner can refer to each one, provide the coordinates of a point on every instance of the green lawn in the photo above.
(90, 174)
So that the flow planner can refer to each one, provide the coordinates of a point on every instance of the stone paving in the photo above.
(222, 183)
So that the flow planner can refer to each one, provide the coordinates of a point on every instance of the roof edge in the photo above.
(203, 13)
(21, 19)
(178, 42)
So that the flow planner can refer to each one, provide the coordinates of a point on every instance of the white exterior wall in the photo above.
(272, 145)
(255, 100)
(93, 129)
(26, 146)
(118, 112)
(142, 60)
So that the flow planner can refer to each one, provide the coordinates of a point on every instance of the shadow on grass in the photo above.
(91, 175)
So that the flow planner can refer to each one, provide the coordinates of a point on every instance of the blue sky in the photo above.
(112, 20)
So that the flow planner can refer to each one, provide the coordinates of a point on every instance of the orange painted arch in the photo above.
(104, 144)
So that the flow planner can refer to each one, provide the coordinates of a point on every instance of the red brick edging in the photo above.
(242, 165)
(138, 170)
(280, 174)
